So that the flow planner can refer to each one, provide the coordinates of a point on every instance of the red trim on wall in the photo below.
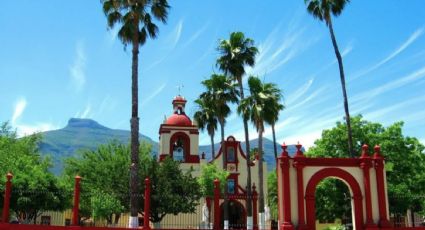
(343, 175)
(336, 162)
(165, 128)
(188, 157)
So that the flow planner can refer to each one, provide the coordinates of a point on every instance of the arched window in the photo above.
(231, 158)
(179, 148)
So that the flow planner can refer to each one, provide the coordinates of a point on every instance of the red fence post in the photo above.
(254, 207)
(7, 194)
(75, 219)
(216, 204)
(147, 210)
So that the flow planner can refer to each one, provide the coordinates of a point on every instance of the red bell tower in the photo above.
(178, 136)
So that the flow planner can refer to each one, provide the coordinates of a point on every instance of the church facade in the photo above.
(179, 139)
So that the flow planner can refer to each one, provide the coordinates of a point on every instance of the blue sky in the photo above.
(58, 61)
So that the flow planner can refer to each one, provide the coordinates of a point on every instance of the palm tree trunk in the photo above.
(212, 146)
(248, 165)
(134, 179)
(261, 180)
(274, 142)
(225, 201)
(344, 91)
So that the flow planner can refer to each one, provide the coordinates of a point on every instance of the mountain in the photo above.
(80, 134)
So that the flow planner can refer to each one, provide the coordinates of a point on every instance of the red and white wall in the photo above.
(298, 177)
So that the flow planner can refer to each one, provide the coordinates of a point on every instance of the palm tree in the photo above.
(255, 108)
(236, 53)
(323, 10)
(221, 91)
(206, 119)
(135, 18)
(273, 112)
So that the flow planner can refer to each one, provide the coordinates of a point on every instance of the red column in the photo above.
(254, 207)
(7, 193)
(216, 204)
(147, 208)
(365, 165)
(284, 166)
(75, 218)
(299, 164)
(380, 183)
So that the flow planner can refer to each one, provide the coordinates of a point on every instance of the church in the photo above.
(179, 139)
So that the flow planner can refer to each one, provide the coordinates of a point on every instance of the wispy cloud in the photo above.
(313, 96)
(173, 39)
(77, 70)
(383, 113)
(19, 109)
(307, 139)
(177, 33)
(196, 34)
(415, 35)
(107, 104)
(395, 84)
(281, 125)
(153, 94)
(292, 98)
(86, 113)
(27, 129)
(24, 129)
(274, 54)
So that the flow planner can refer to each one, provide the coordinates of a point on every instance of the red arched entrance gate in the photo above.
(356, 194)
(298, 177)
(237, 215)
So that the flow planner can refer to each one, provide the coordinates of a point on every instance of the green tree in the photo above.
(220, 91)
(103, 171)
(236, 53)
(272, 199)
(323, 10)
(172, 191)
(209, 173)
(104, 187)
(104, 205)
(272, 116)
(255, 108)
(206, 119)
(34, 188)
(136, 21)
(404, 158)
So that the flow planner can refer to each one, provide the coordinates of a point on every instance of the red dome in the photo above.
(179, 119)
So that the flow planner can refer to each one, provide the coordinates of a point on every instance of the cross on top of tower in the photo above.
(179, 88)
